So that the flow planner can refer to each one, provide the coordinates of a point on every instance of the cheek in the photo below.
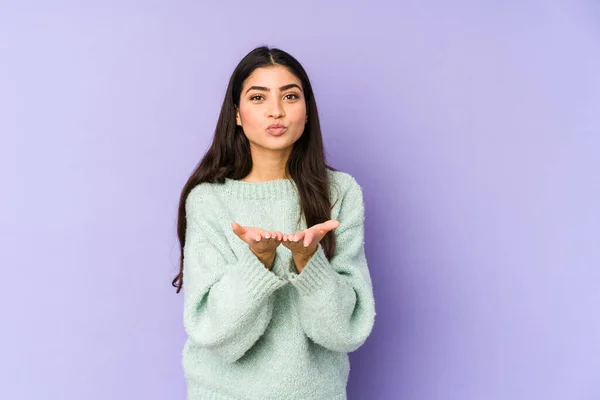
(297, 114)
(247, 116)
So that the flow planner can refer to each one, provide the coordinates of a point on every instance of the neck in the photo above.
(268, 165)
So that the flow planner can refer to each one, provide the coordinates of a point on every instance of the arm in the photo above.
(227, 303)
(335, 298)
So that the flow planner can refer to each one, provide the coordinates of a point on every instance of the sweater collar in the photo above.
(274, 189)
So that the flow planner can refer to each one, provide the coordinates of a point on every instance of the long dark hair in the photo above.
(228, 155)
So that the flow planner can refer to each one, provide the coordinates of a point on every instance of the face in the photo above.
(272, 96)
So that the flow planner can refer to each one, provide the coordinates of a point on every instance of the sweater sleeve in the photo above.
(227, 298)
(335, 299)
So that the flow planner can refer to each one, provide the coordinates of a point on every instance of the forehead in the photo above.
(271, 77)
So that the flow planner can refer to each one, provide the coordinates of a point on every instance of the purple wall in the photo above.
(474, 130)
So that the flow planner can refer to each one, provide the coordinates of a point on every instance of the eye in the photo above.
(294, 96)
(256, 97)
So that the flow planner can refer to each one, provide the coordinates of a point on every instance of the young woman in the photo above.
(277, 289)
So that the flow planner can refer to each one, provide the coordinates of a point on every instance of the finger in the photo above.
(308, 238)
(320, 234)
(299, 236)
(236, 228)
(240, 230)
(328, 225)
(267, 236)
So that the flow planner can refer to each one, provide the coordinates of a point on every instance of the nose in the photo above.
(275, 110)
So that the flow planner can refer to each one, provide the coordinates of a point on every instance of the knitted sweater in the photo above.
(259, 334)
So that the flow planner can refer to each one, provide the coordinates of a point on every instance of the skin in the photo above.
(260, 108)
(274, 95)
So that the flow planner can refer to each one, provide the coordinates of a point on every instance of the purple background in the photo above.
(473, 127)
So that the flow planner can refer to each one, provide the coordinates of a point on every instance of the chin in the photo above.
(277, 143)
(282, 146)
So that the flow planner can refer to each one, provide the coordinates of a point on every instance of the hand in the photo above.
(262, 243)
(304, 244)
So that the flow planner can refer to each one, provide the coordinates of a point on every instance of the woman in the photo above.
(277, 289)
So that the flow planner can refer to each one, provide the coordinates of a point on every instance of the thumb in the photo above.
(237, 228)
(329, 225)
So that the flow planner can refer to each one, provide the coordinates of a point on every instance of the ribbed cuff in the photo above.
(196, 391)
(259, 281)
(316, 274)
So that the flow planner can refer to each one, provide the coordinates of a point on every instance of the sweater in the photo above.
(260, 334)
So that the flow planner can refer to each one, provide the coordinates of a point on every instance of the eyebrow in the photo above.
(266, 89)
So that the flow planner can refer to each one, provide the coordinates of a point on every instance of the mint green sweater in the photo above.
(260, 334)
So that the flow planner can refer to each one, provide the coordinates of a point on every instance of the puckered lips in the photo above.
(276, 129)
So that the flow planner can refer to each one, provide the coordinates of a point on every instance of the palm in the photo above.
(306, 241)
(258, 239)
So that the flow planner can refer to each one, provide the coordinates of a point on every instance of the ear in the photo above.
(238, 120)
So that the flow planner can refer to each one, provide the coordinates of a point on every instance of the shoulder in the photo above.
(201, 196)
(343, 183)
(344, 188)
